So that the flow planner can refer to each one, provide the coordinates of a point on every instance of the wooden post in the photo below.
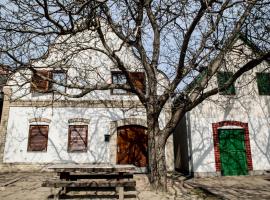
(64, 189)
(55, 193)
(120, 191)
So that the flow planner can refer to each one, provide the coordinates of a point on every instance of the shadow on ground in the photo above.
(27, 186)
(234, 187)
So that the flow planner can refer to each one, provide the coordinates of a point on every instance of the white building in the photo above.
(229, 134)
(40, 127)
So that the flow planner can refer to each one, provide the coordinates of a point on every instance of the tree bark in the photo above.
(157, 161)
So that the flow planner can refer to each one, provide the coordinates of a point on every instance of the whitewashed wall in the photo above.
(98, 150)
(246, 106)
(90, 67)
(202, 140)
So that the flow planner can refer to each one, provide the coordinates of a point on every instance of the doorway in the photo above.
(232, 149)
(132, 145)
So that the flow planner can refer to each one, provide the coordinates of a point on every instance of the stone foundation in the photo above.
(216, 174)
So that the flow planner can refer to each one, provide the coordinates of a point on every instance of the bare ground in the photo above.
(27, 186)
(235, 187)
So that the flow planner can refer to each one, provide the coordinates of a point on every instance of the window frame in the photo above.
(58, 72)
(30, 136)
(126, 92)
(226, 91)
(49, 88)
(260, 92)
(69, 149)
(112, 90)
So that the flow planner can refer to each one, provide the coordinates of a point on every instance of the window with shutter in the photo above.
(38, 138)
(222, 78)
(263, 82)
(38, 84)
(60, 77)
(138, 79)
(77, 138)
(118, 78)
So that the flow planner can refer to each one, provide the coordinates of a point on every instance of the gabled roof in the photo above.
(255, 49)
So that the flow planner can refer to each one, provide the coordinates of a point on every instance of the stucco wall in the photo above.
(252, 110)
(246, 106)
(101, 121)
(203, 157)
(85, 68)
(98, 149)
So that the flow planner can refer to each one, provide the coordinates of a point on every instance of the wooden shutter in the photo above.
(38, 138)
(138, 79)
(223, 77)
(263, 82)
(38, 84)
(77, 139)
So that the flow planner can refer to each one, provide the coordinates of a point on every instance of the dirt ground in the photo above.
(235, 187)
(27, 186)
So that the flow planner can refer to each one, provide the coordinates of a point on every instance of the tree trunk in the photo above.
(157, 162)
(157, 165)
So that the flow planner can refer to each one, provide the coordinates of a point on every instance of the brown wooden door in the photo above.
(132, 145)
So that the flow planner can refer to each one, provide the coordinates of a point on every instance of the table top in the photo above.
(95, 168)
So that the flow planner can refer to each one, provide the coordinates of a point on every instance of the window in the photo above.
(59, 77)
(77, 138)
(222, 78)
(138, 79)
(38, 138)
(263, 82)
(40, 85)
(118, 78)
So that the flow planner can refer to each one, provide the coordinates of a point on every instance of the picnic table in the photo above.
(91, 176)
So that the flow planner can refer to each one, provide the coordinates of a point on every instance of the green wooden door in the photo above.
(232, 152)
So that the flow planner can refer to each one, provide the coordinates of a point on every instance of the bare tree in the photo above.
(179, 38)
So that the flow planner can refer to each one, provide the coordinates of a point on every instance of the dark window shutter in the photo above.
(38, 83)
(197, 80)
(263, 82)
(77, 138)
(138, 79)
(38, 138)
(222, 78)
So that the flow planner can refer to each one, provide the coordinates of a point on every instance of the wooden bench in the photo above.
(76, 176)
(118, 184)
(89, 177)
